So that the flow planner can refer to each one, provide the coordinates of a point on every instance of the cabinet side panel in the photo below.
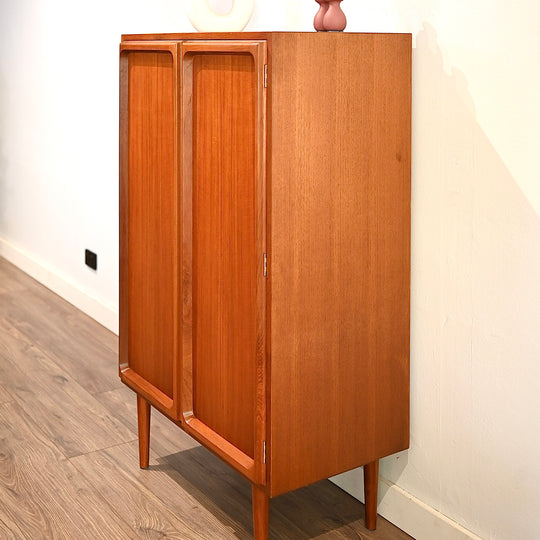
(224, 240)
(340, 253)
(152, 216)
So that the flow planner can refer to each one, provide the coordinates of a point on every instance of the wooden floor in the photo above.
(68, 446)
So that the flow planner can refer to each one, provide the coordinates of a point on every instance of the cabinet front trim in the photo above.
(253, 467)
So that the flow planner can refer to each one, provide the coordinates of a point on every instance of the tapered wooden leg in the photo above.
(260, 502)
(143, 419)
(371, 484)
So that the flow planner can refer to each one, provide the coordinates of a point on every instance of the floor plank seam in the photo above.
(104, 449)
(61, 450)
(130, 477)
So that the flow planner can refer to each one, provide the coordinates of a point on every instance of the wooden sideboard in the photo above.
(265, 249)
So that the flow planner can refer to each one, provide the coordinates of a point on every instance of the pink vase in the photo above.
(318, 21)
(334, 19)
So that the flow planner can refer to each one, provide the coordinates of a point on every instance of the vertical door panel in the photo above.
(222, 165)
(224, 258)
(149, 219)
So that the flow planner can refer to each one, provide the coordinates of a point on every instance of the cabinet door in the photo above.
(223, 246)
(149, 222)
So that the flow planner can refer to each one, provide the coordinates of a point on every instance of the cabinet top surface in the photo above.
(242, 35)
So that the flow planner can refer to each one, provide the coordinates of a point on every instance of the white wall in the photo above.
(475, 355)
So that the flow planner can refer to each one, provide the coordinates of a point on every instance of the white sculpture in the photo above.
(204, 19)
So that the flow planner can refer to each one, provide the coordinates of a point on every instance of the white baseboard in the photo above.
(100, 310)
(405, 511)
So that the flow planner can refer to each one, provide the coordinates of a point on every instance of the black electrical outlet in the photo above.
(90, 258)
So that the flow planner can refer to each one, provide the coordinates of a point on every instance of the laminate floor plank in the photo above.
(126, 489)
(86, 327)
(5, 396)
(45, 494)
(13, 279)
(84, 358)
(165, 437)
(71, 417)
(8, 529)
(212, 483)
(229, 505)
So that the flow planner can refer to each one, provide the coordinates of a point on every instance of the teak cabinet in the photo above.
(265, 249)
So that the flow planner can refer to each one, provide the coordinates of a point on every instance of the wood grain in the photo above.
(42, 491)
(137, 505)
(9, 529)
(215, 485)
(143, 425)
(371, 485)
(70, 416)
(224, 251)
(340, 255)
(165, 437)
(231, 134)
(261, 506)
(63, 314)
(13, 279)
(42, 318)
(90, 329)
(149, 206)
(5, 396)
(168, 488)
(198, 36)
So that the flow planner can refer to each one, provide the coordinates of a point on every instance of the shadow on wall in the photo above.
(475, 273)
(475, 312)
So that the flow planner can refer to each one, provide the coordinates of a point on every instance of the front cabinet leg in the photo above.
(143, 420)
(371, 484)
(260, 502)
